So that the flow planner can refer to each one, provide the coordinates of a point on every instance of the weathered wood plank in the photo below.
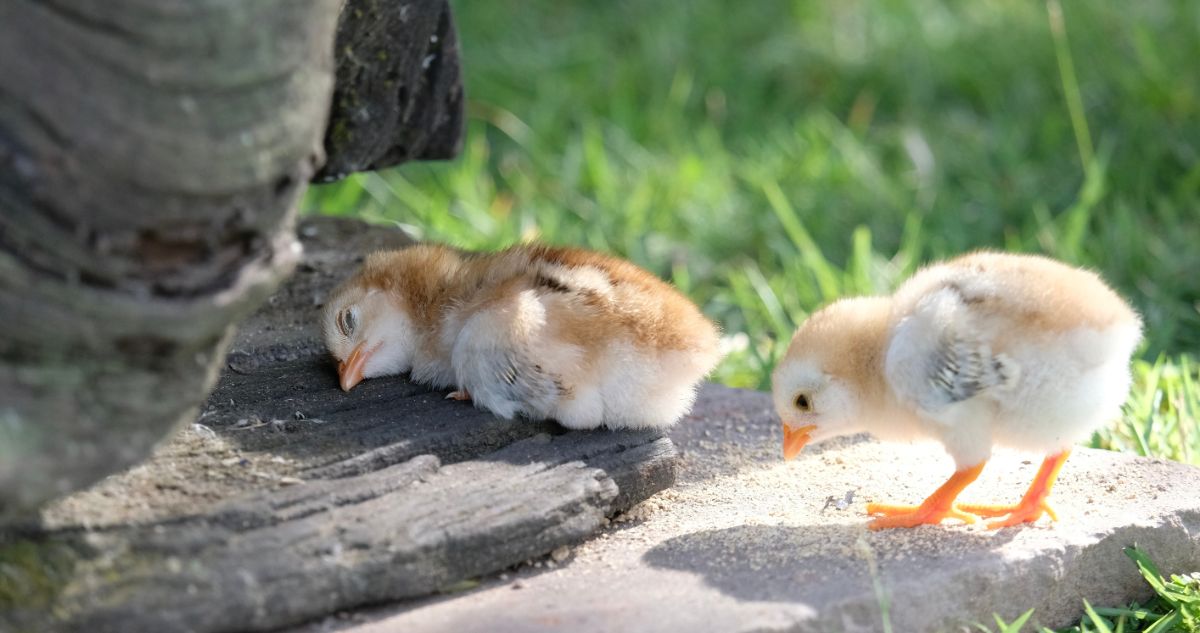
(278, 558)
(258, 517)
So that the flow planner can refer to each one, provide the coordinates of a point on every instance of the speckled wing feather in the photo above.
(523, 381)
(960, 369)
(938, 356)
(508, 382)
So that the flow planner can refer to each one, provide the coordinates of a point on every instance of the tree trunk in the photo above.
(398, 94)
(151, 155)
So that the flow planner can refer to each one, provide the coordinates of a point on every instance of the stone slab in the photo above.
(747, 542)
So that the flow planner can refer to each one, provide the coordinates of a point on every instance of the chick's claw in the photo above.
(459, 394)
(987, 511)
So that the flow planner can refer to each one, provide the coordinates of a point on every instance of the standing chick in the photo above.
(537, 331)
(985, 349)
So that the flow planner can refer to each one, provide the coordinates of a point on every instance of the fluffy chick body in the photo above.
(537, 331)
(985, 349)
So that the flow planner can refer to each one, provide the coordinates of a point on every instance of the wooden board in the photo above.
(289, 499)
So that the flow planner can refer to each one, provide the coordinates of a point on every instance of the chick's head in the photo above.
(376, 321)
(830, 376)
(368, 333)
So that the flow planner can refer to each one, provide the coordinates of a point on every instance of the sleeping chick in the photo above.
(985, 349)
(541, 332)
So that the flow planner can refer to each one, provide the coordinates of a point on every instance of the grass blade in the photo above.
(1102, 625)
(1168, 624)
(810, 253)
(1070, 84)
(1016, 625)
(1135, 613)
(1147, 568)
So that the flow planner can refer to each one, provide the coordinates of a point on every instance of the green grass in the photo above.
(1160, 417)
(769, 158)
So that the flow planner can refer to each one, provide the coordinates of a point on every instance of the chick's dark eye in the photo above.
(803, 403)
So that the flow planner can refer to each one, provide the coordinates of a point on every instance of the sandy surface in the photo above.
(186, 474)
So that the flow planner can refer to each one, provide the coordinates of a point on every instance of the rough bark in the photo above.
(399, 92)
(291, 499)
(151, 153)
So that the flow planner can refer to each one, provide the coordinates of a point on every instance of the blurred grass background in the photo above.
(770, 157)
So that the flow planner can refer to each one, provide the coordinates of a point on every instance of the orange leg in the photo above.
(459, 394)
(1033, 504)
(939, 505)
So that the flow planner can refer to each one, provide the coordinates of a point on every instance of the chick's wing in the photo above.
(941, 354)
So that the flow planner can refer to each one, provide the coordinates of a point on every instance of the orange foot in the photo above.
(893, 516)
(1033, 505)
(459, 394)
(940, 505)
(1013, 514)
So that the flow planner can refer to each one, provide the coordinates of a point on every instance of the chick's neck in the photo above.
(432, 295)
(863, 344)
(883, 414)
(459, 290)
(877, 397)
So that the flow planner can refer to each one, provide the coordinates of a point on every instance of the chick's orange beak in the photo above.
(795, 439)
(350, 371)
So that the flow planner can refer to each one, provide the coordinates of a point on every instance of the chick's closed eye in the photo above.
(347, 321)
